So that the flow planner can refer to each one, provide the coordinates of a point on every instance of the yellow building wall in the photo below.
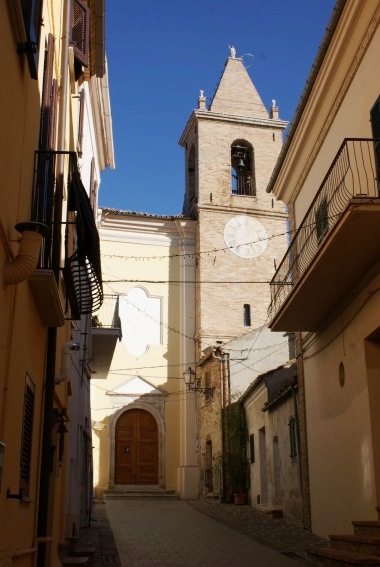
(342, 420)
(159, 365)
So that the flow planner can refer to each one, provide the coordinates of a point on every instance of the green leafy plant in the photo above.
(95, 321)
(234, 459)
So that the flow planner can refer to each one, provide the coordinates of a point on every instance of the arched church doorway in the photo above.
(136, 448)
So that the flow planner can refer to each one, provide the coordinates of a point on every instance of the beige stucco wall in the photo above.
(342, 420)
(343, 441)
(272, 444)
(138, 254)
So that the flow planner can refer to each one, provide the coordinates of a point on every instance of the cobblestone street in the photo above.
(201, 533)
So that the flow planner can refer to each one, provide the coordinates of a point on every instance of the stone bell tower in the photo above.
(231, 148)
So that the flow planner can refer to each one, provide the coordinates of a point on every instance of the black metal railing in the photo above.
(81, 269)
(352, 175)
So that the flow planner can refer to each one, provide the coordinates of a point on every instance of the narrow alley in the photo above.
(145, 532)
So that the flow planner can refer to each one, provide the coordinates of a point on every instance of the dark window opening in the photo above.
(209, 485)
(242, 170)
(252, 448)
(375, 123)
(293, 438)
(208, 386)
(247, 315)
(191, 193)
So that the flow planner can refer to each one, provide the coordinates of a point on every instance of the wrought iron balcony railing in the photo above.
(352, 175)
(82, 269)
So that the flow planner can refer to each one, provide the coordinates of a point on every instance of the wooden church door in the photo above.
(136, 448)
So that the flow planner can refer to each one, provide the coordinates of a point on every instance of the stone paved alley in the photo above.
(204, 533)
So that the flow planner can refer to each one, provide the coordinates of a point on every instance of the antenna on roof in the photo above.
(249, 61)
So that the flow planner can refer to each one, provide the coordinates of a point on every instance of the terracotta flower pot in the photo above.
(240, 499)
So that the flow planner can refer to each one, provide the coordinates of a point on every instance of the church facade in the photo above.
(181, 286)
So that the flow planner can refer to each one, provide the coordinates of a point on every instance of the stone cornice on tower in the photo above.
(231, 118)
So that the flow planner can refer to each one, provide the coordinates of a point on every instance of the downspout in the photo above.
(48, 423)
(224, 372)
(19, 269)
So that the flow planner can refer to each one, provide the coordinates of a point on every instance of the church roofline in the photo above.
(232, 118)
(128, 213)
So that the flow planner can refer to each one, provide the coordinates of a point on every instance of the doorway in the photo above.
(136, 448)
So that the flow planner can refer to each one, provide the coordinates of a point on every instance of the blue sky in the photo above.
(161, 53)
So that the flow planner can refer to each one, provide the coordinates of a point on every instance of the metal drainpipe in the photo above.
(45, 472)
(223, 399)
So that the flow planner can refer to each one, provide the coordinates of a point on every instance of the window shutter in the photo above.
(80, 31)
(47, 95)
(26, 441)
(375, 122)
(293, 438)
(31, 11)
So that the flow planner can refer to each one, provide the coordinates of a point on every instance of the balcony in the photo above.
(336, 246)
(106, 330)
(81, 270)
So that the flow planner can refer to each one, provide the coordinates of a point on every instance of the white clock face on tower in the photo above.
(246, 237)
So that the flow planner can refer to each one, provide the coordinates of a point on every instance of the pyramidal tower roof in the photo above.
(236, 94)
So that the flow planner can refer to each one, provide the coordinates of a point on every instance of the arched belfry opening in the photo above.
(191, 187)
(243, 181)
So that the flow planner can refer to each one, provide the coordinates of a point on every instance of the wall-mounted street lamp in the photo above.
(193, 383)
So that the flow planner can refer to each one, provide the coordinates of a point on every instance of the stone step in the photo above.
(356, 543)
(276, 514)
(113, 493)
(328, 557)
(81, 552)
(69, 561)
(369, 527)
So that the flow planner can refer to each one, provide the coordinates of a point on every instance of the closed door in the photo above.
(136, 448)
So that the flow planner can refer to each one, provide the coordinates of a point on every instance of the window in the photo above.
(191, 191)
(27, 434)
(252, 448)
(242, 169)
(80, 36)
(247, 315)
(31, 13)
(208, 385)
(293, 438)
(375, 123)
(322, 220)
(42, 206)
(208, 468)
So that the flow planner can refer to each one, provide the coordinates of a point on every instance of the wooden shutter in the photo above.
(293, 438)
(47, 95)
(80, 31)
(27, 434)
(375, 122)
